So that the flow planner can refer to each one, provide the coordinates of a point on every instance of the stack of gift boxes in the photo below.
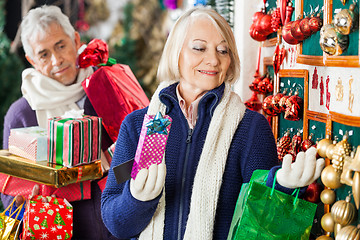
(69, 144)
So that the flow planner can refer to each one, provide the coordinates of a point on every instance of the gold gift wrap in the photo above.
(47, 173)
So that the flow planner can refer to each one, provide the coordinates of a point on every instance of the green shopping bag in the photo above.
(266, 213)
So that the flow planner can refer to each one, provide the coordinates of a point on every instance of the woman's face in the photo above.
(204, 58)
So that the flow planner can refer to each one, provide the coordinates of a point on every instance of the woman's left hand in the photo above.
(304, 171)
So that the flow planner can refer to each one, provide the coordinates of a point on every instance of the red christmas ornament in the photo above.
(265, 85)
(254, 34)
(287, 35)
(283, 146)
(307, 143)
(305, 27)
(253, 103)
(264, 25)
(296, 145)
(313, 192)
(315, 23)
(267, 106)
(276, 20)
(315, 79)
(254, 86)
(296, 31)
(278, 58)
(289, 11)
(276, 102)
(294, 107)
(282, 101)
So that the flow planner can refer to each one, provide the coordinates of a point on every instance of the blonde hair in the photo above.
(168, 69)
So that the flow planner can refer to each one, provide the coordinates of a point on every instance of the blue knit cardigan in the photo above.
(253, 147)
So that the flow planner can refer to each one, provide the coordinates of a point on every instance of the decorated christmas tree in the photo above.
(11, 67)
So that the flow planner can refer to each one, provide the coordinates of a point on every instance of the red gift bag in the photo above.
(114, 92)
(50, 220)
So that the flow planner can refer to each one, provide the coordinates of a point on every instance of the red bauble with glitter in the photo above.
(253, 103)
(267, 106)
(283, 146)
(294, 108)
(276, 102)
(254, 85)
(307, 143)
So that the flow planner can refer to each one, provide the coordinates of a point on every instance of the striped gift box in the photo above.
(73, 141)
(29, 143)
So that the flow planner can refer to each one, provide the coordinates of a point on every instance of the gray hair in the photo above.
(37, 21)
(168, 69)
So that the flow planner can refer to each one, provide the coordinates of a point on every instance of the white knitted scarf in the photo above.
(208, 177)
(50, 98)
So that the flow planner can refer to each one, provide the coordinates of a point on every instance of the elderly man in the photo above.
(50, 88)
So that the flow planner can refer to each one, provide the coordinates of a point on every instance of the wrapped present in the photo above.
(29, 142)
(74, 141)
(114, 92)
(47, 173)
(152, 142)
(48, 220)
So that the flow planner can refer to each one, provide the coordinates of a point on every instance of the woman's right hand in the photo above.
(148, 183)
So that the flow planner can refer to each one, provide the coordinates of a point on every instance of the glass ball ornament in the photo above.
(332, 42)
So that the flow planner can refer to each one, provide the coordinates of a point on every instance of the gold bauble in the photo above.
(327, 222)
(330, 177)
(324, 237)
(356, 189)
(348, 233)
(343, 212)
(322, 146)
(330, 150)
(328, 196)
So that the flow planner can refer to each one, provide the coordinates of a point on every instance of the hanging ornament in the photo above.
(339, 90)
(289, 10)
(278, 57)
(261, 26)
(254, 85)
(330, 149)
(355, 167)
(276, 101)
(332, 42)
(341, 150)
(343, 2)
(315, 23)
(321, 91)
(282, 7)
(344, 20)
(313, 191)
(328, 94)
(315, 79)
(253, 103)
(307, 143)
(296, 31)
(265, 85)
(330, 178)
(296, 145)
(347, 174)
(287, 35)
(284, 146)
(348, 233)
(327, 222)
(322, 146)
(343, 213)
(282, 102)
(267, 106)
(351, 95)
(276, 20)
(328, 196)
(294, 108)
(305, 26)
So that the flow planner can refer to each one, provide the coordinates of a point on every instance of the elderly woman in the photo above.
(214, 144)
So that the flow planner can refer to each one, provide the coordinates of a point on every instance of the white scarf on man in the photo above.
(208, 177)
(50, 98)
